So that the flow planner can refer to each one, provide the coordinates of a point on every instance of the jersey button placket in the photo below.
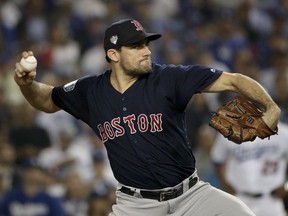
(124, 108)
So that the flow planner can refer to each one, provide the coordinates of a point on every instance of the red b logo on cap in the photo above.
(137, 25)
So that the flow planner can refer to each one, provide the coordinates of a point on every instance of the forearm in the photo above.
(39, 96)
(250, 89)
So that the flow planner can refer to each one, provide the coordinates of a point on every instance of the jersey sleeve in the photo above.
(71, 97)
(189, 80)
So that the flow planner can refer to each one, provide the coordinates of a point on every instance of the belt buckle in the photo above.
(166, 195)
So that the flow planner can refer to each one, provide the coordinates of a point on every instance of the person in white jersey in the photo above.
(255, 171)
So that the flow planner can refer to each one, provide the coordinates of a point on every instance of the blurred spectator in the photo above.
(279, 22)
(102, 182)
(278, 68)
(11, 91)
(57, 158)
(70, 154)
(30, 197)
(92, 61)
(34, 25)
(196, 12)
(54, 124)
(4, 116)
(92, 34)
(75, 200)
(90, 8)
(170, 47)
(65, 12)
(197, 113)
(7, 167)
(281, 95)
(205, 138)
(27, 137)
(245, 63)
(115, 11)
(58, 45)
(175, 55)
(10, 16)
(232, 4)
(54, 183)
(228, 39)
(163, 10)
(101, 205)
(255, 19)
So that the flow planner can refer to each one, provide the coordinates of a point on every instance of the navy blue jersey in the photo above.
(143, 129)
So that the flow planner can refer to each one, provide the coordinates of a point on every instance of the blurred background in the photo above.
(61, 153)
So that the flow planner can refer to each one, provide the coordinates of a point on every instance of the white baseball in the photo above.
(29, 63)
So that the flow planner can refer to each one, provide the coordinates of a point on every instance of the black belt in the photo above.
(160, 195)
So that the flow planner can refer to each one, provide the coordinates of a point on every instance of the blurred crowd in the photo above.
(61, 154)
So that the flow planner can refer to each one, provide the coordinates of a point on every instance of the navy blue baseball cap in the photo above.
(126, 32)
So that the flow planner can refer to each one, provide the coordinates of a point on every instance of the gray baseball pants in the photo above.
(200, 200)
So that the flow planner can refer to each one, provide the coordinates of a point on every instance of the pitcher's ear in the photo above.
(113, 55)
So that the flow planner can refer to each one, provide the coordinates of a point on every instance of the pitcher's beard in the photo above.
(142, 70)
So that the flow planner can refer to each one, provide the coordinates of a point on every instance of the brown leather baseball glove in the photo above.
(240, 120)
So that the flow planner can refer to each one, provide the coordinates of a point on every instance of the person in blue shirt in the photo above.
(30, 197)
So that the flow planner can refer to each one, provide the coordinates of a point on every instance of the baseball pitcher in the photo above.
(137, 109)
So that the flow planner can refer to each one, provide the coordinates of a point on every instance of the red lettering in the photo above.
(102, 132)
(119, 129)
(129, 119)
(137, 25)
(114, 129)
(109, 130)
(142, 122)
(156, 122)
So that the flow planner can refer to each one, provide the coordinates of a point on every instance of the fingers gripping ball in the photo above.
(29, 63)
(240, 120)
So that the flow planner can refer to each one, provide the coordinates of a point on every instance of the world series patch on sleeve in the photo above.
(240, 120)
